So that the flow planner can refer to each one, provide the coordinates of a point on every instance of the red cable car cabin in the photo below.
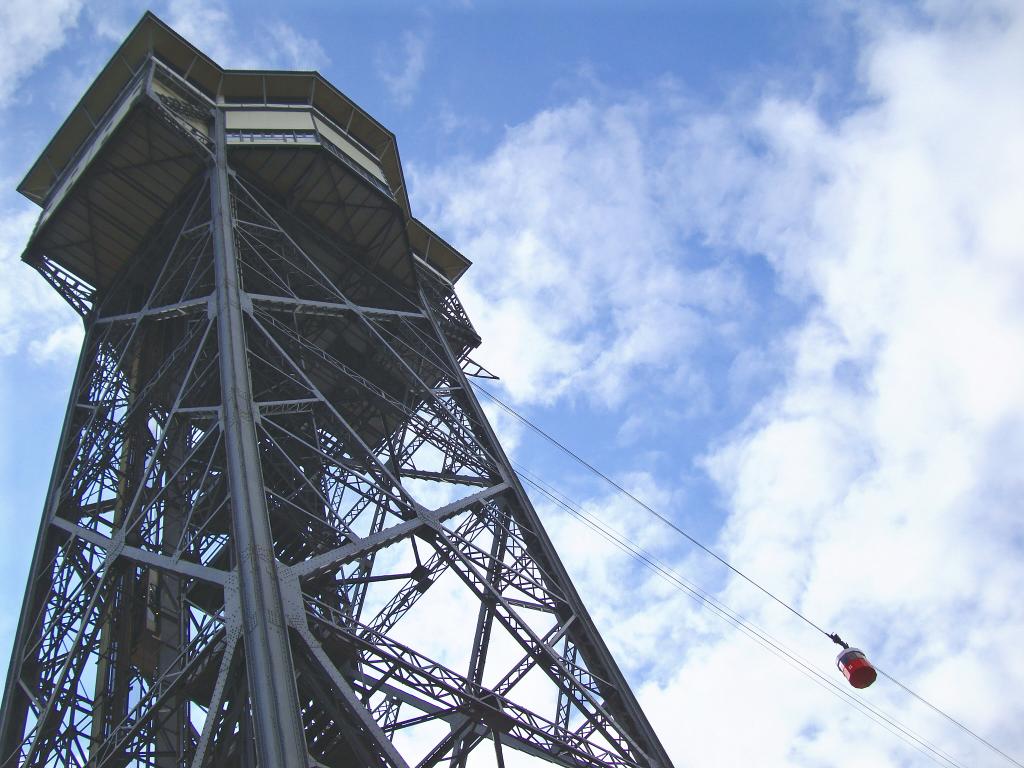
(855, 665)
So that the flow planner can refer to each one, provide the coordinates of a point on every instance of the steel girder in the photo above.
(280, 530)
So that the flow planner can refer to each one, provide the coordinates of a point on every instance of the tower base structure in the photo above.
(279, 529)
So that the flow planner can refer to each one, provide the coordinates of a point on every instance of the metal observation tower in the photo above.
(279, 530)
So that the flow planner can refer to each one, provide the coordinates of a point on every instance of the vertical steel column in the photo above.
(275, 704)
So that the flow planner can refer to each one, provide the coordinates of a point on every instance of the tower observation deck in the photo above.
(279, 530)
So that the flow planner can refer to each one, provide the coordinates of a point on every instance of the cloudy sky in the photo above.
(761, 262)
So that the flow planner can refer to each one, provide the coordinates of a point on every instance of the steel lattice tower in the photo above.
(272, 466)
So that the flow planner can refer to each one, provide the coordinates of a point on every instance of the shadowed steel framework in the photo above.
(279, 529)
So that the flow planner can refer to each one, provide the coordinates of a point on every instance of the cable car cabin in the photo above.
(855, 665)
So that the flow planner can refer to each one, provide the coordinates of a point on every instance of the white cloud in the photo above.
(33, 317)
(208, 27)
(296, 51)
(579, 283)
(31, 30)
(212, 29)
(402, 75)
(876, 488)
(872, 488)
(61, 345)
(113, 19)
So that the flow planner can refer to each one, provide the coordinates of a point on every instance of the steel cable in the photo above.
(697, 593)
(668, 522)
(748, 628)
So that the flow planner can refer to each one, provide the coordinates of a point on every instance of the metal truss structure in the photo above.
(279, 530)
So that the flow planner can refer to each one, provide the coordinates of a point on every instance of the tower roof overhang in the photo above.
(152, 38)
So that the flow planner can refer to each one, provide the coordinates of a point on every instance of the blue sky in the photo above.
(762, 262)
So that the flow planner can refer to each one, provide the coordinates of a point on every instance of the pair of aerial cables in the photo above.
(651, 562)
